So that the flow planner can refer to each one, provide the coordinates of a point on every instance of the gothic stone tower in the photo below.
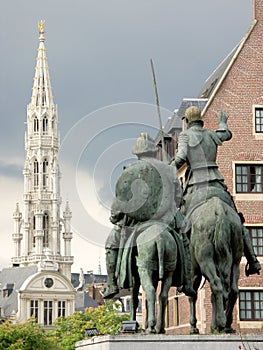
(38, 232)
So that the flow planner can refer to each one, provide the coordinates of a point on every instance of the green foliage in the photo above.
(71, 329)
(24, 336)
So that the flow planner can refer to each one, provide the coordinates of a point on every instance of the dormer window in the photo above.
(8, 289)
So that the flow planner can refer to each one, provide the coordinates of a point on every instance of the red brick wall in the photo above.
(241, 89)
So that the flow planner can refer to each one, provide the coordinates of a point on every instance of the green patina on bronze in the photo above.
(149, 241)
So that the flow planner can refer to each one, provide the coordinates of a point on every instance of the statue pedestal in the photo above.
(172, 342)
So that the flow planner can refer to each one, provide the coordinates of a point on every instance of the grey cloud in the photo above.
(11, 170)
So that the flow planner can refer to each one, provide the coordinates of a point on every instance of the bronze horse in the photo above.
(216, 248)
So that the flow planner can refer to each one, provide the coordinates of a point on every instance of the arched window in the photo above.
(36, 174)
(45, 229)
(45, 173)
(36, 125)
(45, 125)
(34, 227)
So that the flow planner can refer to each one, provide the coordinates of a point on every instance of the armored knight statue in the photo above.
(197, 147)
(148, 190)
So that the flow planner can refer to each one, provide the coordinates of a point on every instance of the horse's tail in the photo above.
(160, 250)
(222, 235)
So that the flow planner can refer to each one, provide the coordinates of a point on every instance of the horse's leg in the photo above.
(213, 325)
(192, 301)
(209, 271)
(146, 314)
(149, 289)
(163, 299)
(134, 296)
(232, 299)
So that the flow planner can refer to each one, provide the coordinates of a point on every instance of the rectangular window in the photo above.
(249, 178)
(259, 120)
(61, 308)
(256, 235)
(34, 309)
(251, 305)
(48, 310)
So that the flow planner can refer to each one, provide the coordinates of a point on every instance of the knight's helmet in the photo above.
(145, 145)
(192, 113)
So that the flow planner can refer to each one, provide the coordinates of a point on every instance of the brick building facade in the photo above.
(236, 86)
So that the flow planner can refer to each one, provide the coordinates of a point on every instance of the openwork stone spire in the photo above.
(42, 91)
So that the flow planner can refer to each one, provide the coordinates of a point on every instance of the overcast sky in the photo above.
(99, 61)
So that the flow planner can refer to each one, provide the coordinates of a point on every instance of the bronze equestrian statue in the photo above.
(218, 237)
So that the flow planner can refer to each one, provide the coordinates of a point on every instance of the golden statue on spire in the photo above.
(41, 26)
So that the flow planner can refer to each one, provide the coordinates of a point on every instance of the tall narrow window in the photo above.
(45, 229)
(45, 174)
(36, 174)
(34, 228)
(36, 124)
(249, 178)
(34, 309)
(61, 308)
(259, 120)
(48, 310)
(256, 234)
(45, 125)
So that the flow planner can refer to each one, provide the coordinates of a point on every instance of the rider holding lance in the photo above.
(157, 200)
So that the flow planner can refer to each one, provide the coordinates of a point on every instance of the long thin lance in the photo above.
(159, 112)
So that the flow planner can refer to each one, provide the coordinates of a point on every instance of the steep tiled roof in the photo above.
(188, 102)
(172, 124)
(214, 78)
(15, 276)
(88, 277)
(83, 300)
(175, 121)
